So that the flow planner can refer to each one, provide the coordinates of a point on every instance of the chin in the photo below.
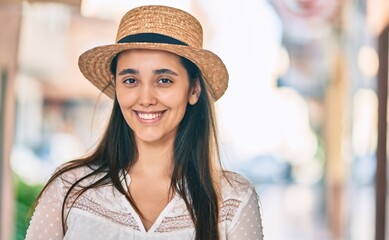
(150, 138)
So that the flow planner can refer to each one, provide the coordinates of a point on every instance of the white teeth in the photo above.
(149, 116)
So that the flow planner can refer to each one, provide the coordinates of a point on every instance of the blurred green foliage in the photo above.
(25, 195)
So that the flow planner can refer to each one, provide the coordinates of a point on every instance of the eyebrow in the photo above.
(158, 71)
(165, 71)
(128, 71)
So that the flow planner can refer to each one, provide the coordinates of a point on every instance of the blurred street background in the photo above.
(304, 117)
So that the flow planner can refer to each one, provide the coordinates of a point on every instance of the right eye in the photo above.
(129, 81)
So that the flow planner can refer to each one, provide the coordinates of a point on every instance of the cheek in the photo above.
(177, 100)
(124, 99)
(176, 95)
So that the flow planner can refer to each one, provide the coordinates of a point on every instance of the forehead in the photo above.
(139, 55)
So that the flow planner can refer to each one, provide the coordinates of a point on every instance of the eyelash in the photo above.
(169, 81)
(129, 79)
(161, 81)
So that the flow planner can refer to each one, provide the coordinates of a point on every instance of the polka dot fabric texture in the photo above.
(46, 221)
(104, 213)
(249, 225)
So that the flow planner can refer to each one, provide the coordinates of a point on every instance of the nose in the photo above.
(147, 96)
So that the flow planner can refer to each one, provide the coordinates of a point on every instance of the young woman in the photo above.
(155, 173)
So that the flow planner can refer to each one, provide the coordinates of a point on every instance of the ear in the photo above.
(194, 93)
(113, 82)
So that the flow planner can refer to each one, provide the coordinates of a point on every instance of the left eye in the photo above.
(164, 81)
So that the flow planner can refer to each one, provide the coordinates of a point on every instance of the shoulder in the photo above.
(236, 186)
(236, 191)
(69, 177)
(60, 182)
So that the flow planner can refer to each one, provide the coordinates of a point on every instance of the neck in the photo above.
(154, 160)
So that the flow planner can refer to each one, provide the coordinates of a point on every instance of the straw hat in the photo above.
(160, 28)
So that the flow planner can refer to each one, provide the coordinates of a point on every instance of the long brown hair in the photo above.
(196, 160)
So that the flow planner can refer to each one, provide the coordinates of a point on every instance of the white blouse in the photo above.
(105, 213)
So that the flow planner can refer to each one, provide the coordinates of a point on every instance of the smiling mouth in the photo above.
(149, 116)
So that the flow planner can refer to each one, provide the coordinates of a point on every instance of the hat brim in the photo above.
(95, 64)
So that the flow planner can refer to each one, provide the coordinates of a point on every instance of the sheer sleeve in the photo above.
(46, 220)
(249, 224)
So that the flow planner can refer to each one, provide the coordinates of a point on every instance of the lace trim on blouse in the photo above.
(171, 224)
(90, 206)
(239, 213)
(228, 209)
(85, 202)
(168, 224)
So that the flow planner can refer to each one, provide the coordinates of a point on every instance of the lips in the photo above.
(149, 116)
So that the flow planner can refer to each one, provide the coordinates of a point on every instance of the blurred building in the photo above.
(299, 118)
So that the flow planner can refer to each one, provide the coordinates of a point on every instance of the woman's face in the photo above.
(153, 90)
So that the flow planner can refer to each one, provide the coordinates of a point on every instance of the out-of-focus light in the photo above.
(309, 172)
(362, 214)
(284, 62)
(103, 9)
(299, 203)
(306, 20)
(115, 9)
(28, 166)
(377, 15)
(368, 61)
(365, 117)
(89, 8)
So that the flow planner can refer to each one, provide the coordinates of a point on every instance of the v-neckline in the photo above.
(160, 217)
